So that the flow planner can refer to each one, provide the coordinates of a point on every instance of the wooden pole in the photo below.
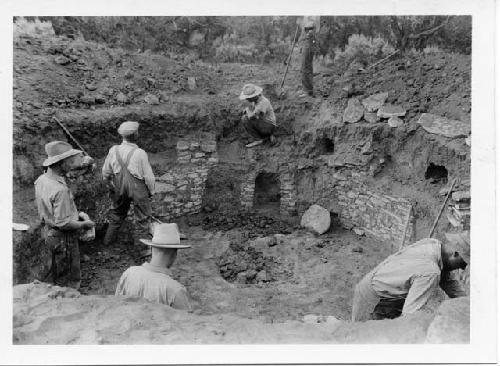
(442, 208)
(406, 227)
(70, 135)
(289, 58)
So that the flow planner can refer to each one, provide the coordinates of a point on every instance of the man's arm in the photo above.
(181, 301)
(107, 171)
(63, 214)
(422, 287)
(451, 285)
(147, 172)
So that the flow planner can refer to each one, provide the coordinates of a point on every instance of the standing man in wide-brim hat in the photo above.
(153, 281)
(258, 117)
(130, 178)
(60, 219)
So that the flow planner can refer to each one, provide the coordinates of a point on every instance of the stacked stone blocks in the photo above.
(180, 191)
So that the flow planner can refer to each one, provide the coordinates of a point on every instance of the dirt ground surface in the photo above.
(254, 276)
(45, 314)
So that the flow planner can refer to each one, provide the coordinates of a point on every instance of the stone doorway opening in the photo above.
(267, 193)
(436, 174)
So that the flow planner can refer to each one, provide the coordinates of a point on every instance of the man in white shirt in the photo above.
(258, 118)
(405, 281)
(153, 281)
(130, 179)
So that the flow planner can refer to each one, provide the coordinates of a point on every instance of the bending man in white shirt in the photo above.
(404, 282)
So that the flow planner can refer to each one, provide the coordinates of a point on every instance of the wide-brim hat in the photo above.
(128, 128)
(461, 243)
(250, 91)
(165, 236)
(57, 151)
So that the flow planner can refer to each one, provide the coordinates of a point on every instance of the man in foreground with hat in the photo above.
(406, 280)
(258, 117)
(153, 281)
(61, 222)
(130, 178)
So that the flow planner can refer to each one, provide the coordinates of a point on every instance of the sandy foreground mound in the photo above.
(45, 314)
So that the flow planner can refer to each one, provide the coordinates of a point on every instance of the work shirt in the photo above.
(154, 284)
(262, 110)
(413, 274)
(138, 165)
(54, 200)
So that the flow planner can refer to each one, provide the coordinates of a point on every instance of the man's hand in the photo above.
(87, 224)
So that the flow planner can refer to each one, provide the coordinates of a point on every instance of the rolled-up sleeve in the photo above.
(421, 289)
(181, 301)
(451, 285)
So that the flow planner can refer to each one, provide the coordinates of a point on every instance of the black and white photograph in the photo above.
(187, 179)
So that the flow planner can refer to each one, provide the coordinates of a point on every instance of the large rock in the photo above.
(354, 111)
(443, 126)
(370, 117)
(316, 219)
(452, 322)
(375, 101)
(395, 122)
(389, 110)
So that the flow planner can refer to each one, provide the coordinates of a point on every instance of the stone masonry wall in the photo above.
(179, 191)
(379, 215)
(287, 191)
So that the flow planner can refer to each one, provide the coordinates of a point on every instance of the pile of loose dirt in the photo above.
(254, 223)
(244, 264)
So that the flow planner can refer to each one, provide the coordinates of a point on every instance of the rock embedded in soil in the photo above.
(62, 60)
(389, 110)
(452, 322)
(443, 126)
(316, 219)
(121, 98)
(152, 99)
(395, 122)
(375, 101)
(354, 111)
(370, 117)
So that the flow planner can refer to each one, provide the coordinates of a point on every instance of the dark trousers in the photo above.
(119, 210)
(307, 70)
(61, 257)
(258, 128)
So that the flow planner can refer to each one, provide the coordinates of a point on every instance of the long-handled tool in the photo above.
(70, 135)
(406, 228)
(442, 208)
(289, 59)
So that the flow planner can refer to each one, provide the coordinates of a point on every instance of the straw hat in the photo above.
(128, 128)
(250, 91)
(165, 236)
(461, 243)
(57, 151)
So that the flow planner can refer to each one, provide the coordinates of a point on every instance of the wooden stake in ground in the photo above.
(442, 208)
(406, 228)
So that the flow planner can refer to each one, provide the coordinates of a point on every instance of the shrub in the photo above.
(22, 26)
(364, 50)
